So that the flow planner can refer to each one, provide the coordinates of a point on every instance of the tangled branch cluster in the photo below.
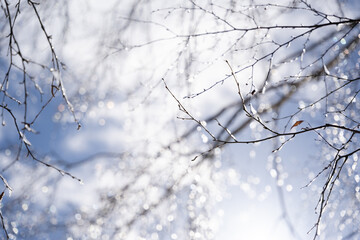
(288, 79)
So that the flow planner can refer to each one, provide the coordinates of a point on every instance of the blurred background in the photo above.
(204, 119)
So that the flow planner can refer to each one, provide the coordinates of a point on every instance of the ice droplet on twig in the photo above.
(302, 54)
(264, 87)
(252, 109)
(326, 70)
(24, 139)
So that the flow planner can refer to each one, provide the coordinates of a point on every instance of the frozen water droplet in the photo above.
(203, 123)
(302, 54)
(273, 173)
(263, 90)
(326, 70)
(252, 109)
(24, 139)
(204, 138)
(264, 87)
